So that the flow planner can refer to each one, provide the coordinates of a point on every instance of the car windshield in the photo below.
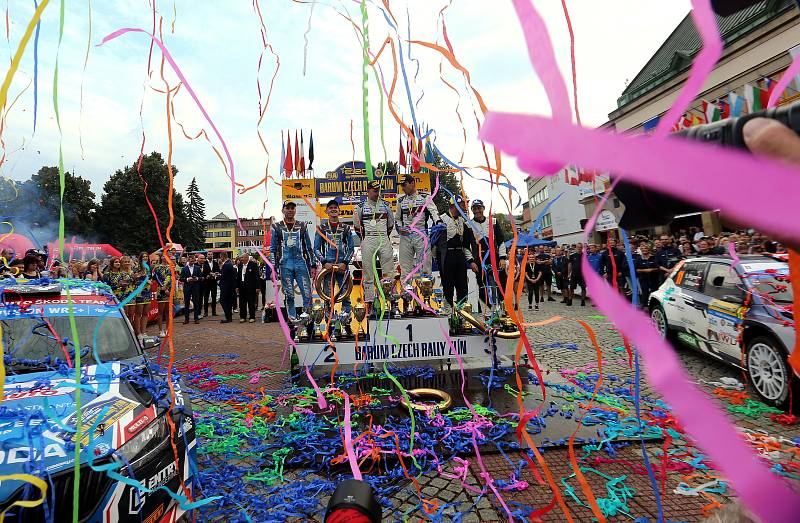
(770, 281)
(33, 343)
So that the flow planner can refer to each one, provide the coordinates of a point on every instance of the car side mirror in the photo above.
(718, 281)
(730, 298)
(150, 342)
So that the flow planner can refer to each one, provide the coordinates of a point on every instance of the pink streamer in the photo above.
(348, 438)
(784, 82)
(185, 82)
(706, 23)
(739, 184)
(763, 492)
(543, 59)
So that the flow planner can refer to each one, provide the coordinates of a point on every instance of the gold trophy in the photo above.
(359, 312)
(390, 297)
(425, 286)
(317, 316)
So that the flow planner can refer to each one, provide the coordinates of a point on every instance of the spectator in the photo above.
(248, 278)
(191, 277)
(544, 262)
(534, 273)
(559, 267)
(93, 271)
(614, 262)
(647, 273)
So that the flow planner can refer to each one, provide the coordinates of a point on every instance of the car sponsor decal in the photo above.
(689, 339)
(153, 517)
(138, 498)
(139, 422)
(117, 407)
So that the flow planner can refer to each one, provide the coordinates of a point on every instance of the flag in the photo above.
(736, 104)
(283, 154)
(311, 152)
(724, 109)
(753, 96)
(651, 124)
(296, 154)
(711, 111)
(302, 168)
(288, 166)
(697, 120)
(428, 151)
(402, 152)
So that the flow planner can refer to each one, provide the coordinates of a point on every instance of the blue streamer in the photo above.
(637, 379)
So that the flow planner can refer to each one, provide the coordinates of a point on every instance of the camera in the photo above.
(644, 207)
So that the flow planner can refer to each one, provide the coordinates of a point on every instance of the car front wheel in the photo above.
(768, 371)
(659, 318)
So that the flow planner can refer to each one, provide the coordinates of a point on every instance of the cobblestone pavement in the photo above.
(560, 345)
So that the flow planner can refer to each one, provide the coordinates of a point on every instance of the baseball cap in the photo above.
(374, 184)
(408, 179)
(287, 203)
(478, 203)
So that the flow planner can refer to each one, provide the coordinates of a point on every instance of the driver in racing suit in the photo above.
(333, 248)
(410, 207)
(291, 252)
(489, 293)
(374, 221)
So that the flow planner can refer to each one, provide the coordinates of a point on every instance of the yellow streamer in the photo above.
(33, 480)
(23, 43)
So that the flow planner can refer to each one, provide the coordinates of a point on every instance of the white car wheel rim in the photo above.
(767, 371)
(660, 321)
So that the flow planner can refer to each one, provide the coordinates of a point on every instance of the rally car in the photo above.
(739, 313)
(123, 420)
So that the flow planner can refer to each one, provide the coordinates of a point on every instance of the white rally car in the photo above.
(740, 313)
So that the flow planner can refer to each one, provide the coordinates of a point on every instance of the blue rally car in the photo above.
(124, 423)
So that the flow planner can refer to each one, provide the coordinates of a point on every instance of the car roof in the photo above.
(724, 258)
(55, 288)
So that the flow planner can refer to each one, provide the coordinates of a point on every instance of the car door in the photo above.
(689, 303)
(725, 289)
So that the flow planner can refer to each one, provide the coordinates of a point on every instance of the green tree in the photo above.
(124, 218)
(196, 215)
(505, 225)
(449, 184)
(37, 201)
(388, 169)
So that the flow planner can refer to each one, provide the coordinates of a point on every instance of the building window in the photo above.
(547, 221)
(540, 197)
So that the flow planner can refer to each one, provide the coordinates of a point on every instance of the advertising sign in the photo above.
(297, 189)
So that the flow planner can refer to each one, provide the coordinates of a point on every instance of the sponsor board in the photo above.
(117, 407)
(413, 339)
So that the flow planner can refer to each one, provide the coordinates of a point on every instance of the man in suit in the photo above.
(192, 279)
(210, 277)
(248, 277)
(227, 286)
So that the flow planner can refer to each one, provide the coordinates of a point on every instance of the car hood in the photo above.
(38, 409)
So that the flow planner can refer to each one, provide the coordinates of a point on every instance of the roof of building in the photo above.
(221, 216)
(676, 53)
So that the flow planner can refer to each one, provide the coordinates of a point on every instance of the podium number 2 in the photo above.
(410, 329)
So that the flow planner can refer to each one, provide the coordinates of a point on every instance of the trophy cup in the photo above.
(390, 297)
(425, 286)
(343, 324)
(407, 300)
(317, 316)
(359, 312)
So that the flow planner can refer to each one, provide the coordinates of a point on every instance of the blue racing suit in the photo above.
(334, 244)
(290, 250)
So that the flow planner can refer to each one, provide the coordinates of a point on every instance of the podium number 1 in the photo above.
(410, 329)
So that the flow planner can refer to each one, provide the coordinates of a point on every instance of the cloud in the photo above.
(218, 47)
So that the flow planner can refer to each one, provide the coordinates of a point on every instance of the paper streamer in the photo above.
(177, 70)
(708, 176)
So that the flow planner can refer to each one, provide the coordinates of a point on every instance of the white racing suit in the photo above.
(374, 221)
(412, 245)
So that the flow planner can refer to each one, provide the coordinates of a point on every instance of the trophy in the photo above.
(317, 316)
(425, 286)
(408, 305)
(298, 324)
(343, 323)
(359, 312)
(390, 297)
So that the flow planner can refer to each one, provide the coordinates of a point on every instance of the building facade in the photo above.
(220, 234)
(554, 209)
(252, 236)
(759, 42)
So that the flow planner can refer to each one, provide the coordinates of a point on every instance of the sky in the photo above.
(107, 107)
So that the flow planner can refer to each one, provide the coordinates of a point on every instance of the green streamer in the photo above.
(364, 88)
